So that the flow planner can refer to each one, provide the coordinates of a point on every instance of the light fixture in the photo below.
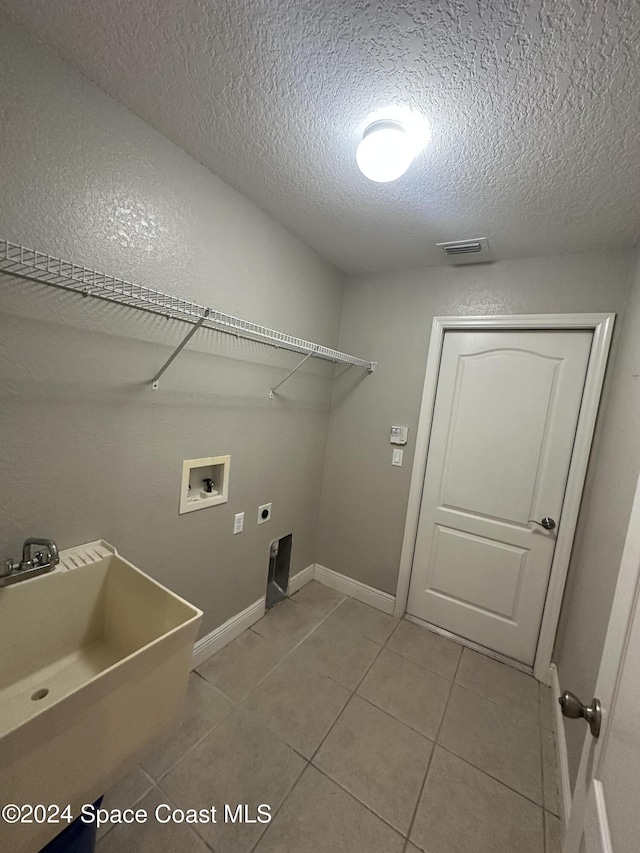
(385, 152)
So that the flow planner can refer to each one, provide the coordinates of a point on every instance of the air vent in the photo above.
(471, 250)
(462, 248)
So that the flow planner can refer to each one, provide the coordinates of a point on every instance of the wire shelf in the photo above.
(30, 263)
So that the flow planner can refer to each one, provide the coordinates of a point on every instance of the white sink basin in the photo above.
(93, 669)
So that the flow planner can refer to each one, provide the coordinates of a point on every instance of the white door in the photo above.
(605, 814)
(504, 422)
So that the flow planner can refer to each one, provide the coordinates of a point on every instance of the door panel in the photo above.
(489, 444)
(478, 572)
(504, 422)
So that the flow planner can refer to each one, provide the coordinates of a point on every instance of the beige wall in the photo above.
(87, 449)
(387, 317)
(602, 524)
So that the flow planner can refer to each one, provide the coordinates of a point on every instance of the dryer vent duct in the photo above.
(466, 251)
(279, 562)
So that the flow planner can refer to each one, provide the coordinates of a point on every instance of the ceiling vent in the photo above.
(466, 251)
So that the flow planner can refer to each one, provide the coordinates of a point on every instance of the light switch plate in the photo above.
(396, 457)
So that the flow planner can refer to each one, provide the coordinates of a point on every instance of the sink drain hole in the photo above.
(40, 694)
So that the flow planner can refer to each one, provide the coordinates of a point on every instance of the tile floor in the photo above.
(363, 734)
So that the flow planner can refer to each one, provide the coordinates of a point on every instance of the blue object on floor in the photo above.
(78, 837)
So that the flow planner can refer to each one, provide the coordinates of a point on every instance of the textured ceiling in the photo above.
(534, 108)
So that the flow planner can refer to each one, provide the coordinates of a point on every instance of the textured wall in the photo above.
(534, 105)
(364, 498)
(88, 450)
(603, 524)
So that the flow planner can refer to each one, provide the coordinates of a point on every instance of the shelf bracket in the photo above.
(155, 381)
(272, 393)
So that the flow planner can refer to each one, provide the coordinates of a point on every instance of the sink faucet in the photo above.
(31, 564)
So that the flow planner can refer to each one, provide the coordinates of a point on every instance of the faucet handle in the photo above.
(6, 567)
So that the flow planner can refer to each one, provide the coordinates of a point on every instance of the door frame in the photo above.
(602, 327)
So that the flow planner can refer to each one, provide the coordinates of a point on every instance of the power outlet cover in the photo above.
(264, 513)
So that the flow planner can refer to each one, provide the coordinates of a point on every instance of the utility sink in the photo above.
(94, 661)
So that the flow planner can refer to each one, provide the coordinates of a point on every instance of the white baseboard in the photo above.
(232, 628)
(360, 591)
(223, 634)
(301, 579)
(564, 780)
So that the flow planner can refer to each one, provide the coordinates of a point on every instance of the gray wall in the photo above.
(387, 317)
(602, 525)
(87, 449)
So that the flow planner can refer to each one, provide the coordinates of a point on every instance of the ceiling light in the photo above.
(385, 152)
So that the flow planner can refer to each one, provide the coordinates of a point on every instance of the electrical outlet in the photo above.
(238, 523)
(264, 513)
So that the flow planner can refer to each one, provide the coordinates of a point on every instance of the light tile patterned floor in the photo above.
(364, 735)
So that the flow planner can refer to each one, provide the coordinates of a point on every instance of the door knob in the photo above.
(547, 523)
(573, 708)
